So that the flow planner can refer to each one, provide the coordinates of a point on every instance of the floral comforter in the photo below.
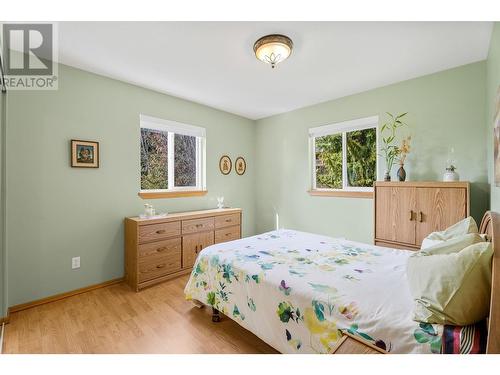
(297, 291)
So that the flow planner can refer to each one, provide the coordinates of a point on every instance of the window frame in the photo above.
(342, 128)
(172, 128)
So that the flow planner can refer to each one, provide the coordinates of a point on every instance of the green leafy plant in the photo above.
(390, 150)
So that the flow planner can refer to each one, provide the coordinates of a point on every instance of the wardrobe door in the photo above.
(439, 208)
(395, 214)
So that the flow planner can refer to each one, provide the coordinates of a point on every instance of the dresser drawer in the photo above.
(227, 220)
(227, 234)
(197, 225)
(171, 247)
(153, 267)
(155, 232)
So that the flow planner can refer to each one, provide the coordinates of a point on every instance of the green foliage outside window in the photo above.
(154, 159)
(185, 160)
(361, 159)
(329, 162)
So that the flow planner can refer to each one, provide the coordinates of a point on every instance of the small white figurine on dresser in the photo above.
(149, 211)
(220, 202)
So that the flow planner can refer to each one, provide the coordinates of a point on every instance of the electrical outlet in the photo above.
(75, 263)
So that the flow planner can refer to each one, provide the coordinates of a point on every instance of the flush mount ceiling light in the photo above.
(273, 49)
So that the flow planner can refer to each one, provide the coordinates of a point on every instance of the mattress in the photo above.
(297, 291)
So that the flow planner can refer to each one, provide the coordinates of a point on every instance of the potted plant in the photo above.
(390, 151)
(404, 150)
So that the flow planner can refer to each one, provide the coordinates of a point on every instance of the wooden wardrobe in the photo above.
(406, 212)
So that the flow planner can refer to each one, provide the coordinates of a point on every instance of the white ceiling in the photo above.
(213, 62)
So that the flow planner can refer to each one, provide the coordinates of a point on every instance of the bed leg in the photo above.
(198, 304)
(215, 315)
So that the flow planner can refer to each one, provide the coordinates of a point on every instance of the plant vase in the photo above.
(401, 172)
(387, 175)
(450, 174)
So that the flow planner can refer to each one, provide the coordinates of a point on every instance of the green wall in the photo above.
(55, 212)
(3, 269)
(492, 85)
(445, 109)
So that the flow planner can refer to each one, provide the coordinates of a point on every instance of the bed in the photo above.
(299, 292)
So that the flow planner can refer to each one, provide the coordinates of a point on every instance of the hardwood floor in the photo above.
(117, 320)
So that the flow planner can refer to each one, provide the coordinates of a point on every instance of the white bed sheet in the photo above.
(296, 290)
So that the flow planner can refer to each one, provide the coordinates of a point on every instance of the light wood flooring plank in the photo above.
(115, 319)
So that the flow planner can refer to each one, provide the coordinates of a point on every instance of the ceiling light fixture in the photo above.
(273, 49)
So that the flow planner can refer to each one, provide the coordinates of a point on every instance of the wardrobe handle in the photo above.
(420, 217)
(196, 249)
(411, 215)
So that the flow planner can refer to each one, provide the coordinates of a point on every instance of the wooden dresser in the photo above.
(406, 212)
(163, 248)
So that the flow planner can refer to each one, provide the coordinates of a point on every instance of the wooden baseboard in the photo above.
(57, 297)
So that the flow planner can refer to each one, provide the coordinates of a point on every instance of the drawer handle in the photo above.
(227, 234)
(161, 249)
(160, 266)
(161, 231)
(228, 220)
(199, 225)
(420, 216)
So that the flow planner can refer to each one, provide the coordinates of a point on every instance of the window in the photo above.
(172, 156)
(344, 156)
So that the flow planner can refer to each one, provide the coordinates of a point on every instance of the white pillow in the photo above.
(465, 226)
(453, 245)
(426, 243)
(453, 288)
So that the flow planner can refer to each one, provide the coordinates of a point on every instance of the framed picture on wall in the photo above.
(240, 165)
(496, 137)
(84, 154)
(225, 164)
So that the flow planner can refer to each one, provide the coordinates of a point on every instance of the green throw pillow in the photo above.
(453, 245)
(465, 226)
(451, 288)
